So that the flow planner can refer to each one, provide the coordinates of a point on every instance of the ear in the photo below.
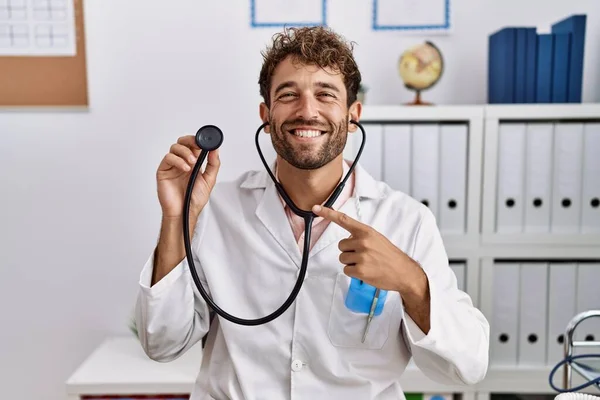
(354, 114)
(264, 116)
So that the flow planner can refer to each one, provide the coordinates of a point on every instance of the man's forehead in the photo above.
(289, 69)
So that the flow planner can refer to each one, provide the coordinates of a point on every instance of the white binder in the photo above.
(562, 282)
(566, 190)
(372, 155)
(453, 178)
(425, 165)
(590, 213)
(511, 171)
(460, 270)
(533, 288)
(504, 321)
(396, 156)
(588, 298)
(538, 177)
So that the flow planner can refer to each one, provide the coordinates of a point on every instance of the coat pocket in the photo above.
(346, 327)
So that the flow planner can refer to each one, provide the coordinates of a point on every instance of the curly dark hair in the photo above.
(311, 45)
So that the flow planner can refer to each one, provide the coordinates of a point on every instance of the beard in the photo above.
(307, 155)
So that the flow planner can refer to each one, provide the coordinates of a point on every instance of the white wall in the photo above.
(79, 215)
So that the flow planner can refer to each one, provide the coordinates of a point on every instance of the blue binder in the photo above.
(493, 89)
(502, 66)
(575, 25)
(544, 69)
(560, 68)
(525, 65)
(520, 65)
(530, 64)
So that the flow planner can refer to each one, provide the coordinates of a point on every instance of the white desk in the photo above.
(119, 366)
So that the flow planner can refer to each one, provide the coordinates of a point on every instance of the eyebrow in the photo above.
(289, 84)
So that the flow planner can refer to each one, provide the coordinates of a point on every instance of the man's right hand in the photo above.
(174, 173)
(172, 179)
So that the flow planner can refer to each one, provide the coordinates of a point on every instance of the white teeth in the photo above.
(307, 133)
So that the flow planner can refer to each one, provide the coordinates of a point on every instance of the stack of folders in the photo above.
(427, 161)
(533, 303)
(548, 178)
(525, 66)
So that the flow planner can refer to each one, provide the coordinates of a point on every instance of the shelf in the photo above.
(399, 113)
(525, 380)
(542, 111)
(529, 252)
(498, 380)
(564, 240)
(390, 113)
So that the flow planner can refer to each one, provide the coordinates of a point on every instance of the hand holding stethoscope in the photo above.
(174, 172)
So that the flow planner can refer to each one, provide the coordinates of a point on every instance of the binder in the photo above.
(530, 65)
(397, 156)
(560, 67)
(588, 298)
(533, 290)
(590, 213)
(524, 64)
(544, 69)
(492, 74)
(511, 169)
(566, 190)
(453, 178)
(562, 282)
(501, 65)
(504, 321)
(574, 25)
(520, 65)
(538, 177)
(425, 165)
(372, 155)
(460, 271)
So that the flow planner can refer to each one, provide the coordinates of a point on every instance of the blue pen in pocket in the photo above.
(360, 297)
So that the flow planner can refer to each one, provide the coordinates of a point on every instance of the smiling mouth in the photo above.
(306, 133)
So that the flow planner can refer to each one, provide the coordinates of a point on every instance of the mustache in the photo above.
(287, 125)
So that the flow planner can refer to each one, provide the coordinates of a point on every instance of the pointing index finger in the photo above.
(341, 219)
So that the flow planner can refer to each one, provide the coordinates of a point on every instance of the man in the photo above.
(247, 248)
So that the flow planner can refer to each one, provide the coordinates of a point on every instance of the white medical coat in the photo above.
(248, 260)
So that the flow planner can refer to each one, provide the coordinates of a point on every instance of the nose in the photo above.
(308, 108)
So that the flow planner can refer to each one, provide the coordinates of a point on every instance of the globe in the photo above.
(421, 67)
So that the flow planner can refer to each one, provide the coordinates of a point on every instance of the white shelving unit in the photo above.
(120, 367)
(480, 245)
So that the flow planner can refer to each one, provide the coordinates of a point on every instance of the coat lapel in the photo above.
(365, 188)
(334, 233)
(271, 214)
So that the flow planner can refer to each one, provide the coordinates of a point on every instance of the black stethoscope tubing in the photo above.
(308, 217)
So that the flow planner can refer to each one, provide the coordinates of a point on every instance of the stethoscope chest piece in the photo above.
(209, 137)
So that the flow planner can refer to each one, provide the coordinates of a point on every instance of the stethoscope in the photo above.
(210, 138)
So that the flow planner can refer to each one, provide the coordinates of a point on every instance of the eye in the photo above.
(287, 95)
(327, 94)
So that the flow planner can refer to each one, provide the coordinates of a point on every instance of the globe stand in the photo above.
(417, 101)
